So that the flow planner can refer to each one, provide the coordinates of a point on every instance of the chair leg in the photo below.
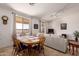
(27, 52)
(43, 51)
(14, 52)
(34, 52)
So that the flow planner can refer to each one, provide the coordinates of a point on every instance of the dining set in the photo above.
(28, 45)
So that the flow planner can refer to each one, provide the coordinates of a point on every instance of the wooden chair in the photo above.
(35, 48)
(39, 47)
(41, 44)
(18, 47)
(14, 45)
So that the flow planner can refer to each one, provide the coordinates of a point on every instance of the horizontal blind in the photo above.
(18, 19)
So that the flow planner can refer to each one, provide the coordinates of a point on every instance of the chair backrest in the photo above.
(16, 43)
(42, 40)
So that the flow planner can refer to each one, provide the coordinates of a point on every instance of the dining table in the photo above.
(29, 41)
(73, 47)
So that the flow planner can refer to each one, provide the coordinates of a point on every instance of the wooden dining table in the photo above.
(73, 44)
(29, 41)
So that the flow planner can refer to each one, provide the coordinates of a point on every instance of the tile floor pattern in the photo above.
(48, 52)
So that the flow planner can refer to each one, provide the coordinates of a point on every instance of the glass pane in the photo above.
(25, 26)
(18, 25)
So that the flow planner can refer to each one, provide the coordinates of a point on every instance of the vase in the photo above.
(76, 39)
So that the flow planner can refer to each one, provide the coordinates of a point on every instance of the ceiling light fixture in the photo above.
(31, 4)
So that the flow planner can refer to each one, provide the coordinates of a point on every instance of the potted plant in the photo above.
(76, 34)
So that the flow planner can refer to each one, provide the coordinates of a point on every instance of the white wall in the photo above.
(6, 30)
(69, 16)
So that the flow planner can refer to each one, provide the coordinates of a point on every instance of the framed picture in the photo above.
(63, 26)
(35, 26)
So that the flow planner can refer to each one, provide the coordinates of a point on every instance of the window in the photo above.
(19, 26)
(22, 25)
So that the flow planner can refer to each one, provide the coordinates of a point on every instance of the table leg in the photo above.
(29, 50)
(69, 47)
(76, 50)
(72, 50)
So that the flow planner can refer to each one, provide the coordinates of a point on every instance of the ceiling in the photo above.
(38, 9)
(46, 11)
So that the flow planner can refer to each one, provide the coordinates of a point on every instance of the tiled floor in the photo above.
(48, 52)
